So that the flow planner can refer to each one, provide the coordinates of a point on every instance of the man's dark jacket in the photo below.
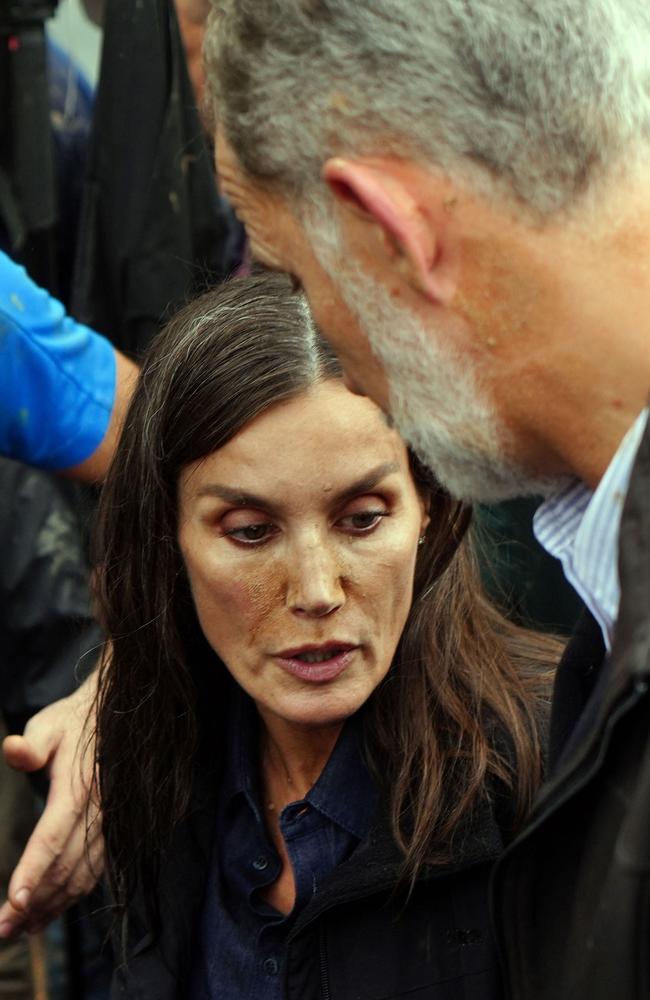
(572, 894)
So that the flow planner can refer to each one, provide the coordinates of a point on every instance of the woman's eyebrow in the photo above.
(368, 481)
(242, 498)
(233, 495)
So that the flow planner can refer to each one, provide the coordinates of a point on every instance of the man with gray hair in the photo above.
(462, 188)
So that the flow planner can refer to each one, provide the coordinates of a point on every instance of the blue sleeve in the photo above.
(57, 377)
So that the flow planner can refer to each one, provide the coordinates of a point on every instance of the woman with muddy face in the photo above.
(314, 734)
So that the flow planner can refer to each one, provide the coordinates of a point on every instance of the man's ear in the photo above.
(415, 241)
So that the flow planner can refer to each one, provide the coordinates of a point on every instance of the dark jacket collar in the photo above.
(631, 649)
(377, 864)
(613, 685)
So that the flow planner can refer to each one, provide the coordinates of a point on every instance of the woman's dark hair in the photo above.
(454, 721)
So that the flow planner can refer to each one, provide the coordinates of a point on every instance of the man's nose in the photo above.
(315, 581)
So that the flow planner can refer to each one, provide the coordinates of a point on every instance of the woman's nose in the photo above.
(315, 582)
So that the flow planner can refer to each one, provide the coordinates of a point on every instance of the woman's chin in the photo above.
(315, 709)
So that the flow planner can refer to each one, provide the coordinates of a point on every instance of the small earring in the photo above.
(421, 540)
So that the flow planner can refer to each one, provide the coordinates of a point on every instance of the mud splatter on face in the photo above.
(323, 554)
(265, 596)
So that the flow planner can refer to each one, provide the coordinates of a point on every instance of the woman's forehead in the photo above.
(325, 436)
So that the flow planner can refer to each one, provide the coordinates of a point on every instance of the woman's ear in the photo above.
(425, 504)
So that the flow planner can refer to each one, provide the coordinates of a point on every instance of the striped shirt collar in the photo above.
(580, 527)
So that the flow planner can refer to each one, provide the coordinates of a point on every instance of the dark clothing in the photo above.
(572, 894)
(520, 575)
(359, 937)
(48, 637)
(242, 938)
(154, 230)
(69, 99)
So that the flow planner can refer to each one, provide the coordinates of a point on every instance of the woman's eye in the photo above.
(363, 521)
(250, 533)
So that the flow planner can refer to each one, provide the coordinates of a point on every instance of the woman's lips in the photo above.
(322, 670)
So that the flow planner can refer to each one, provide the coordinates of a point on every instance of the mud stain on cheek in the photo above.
(264, 596)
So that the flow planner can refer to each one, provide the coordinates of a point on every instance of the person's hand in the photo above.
(58, 865)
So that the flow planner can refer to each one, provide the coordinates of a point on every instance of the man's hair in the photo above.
(540, 96)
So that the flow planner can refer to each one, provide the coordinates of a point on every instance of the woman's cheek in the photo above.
(262, 600)
(397, 553)
(393, 574)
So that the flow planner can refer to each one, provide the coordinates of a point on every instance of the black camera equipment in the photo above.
(28, 209)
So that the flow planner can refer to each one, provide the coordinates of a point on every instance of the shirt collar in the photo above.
(581, 528)
(344, 793)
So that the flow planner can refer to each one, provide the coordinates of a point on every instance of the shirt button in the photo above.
(260, 863)
(271, 966)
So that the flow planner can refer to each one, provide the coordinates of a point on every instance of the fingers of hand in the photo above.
(21, 755)
(45, 730)
(11, 921)
(74, 873)
(74, 883)
(58, 864)
(58, 730)
(57, 841)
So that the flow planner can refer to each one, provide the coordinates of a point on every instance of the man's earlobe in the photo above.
(376, 194)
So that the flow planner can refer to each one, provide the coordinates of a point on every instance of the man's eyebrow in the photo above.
(242, 498)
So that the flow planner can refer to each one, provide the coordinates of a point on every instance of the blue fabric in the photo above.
(242, 938)
(57, 377)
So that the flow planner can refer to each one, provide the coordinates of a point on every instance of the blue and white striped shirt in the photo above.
(580, 527)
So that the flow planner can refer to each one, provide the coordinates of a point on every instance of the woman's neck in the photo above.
(292, 759)
(294, 755)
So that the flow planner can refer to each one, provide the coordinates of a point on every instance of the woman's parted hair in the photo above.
(455, 719)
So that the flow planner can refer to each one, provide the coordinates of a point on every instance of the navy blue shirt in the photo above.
(242, 938)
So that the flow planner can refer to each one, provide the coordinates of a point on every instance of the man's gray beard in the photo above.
(435, 399)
